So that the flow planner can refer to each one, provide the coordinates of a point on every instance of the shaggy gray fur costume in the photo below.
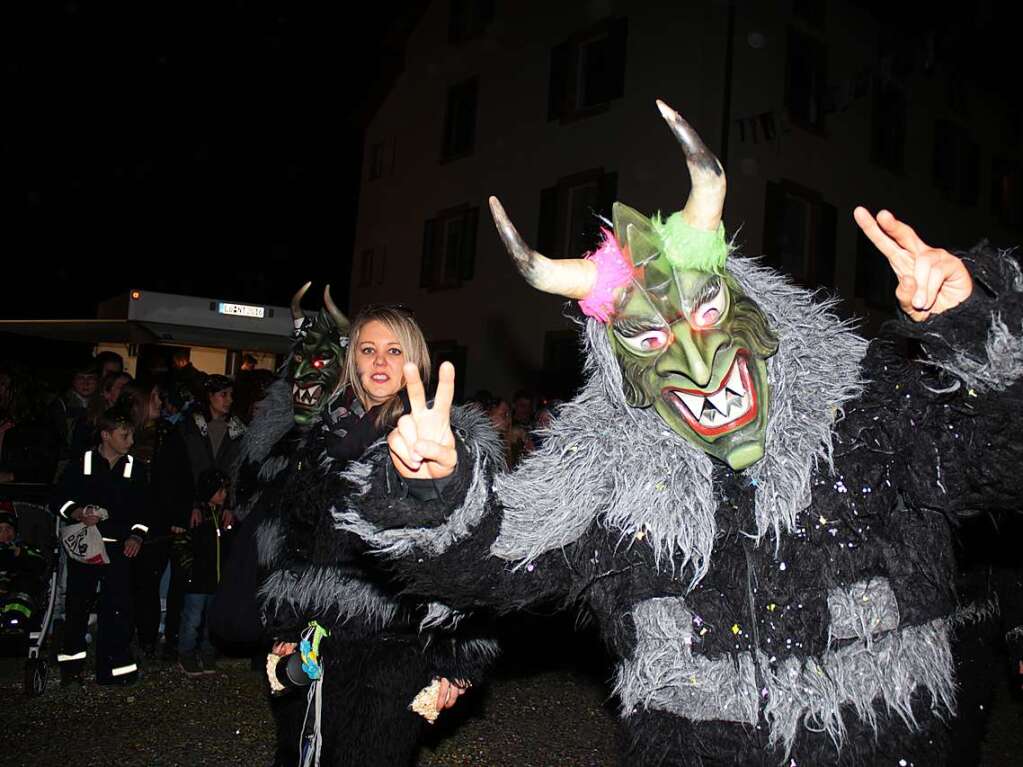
(800, 609)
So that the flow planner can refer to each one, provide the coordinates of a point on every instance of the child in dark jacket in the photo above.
(199, 558)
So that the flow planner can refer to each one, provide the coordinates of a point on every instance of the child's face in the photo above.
(219, 497)
(6, 533)
(84, 384)
(119, 440)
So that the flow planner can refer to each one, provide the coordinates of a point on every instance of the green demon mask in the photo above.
(689, 342)
(317, 356)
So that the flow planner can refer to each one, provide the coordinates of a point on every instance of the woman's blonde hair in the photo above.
(402, 324)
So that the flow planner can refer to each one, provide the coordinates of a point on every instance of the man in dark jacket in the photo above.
(105, 488)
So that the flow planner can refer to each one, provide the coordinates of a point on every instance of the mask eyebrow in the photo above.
(707, 291)
(628, 326)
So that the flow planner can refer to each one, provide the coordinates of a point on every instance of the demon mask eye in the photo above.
(710, 312)
(647, 342)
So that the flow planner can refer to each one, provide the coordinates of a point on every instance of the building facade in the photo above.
(812, 107)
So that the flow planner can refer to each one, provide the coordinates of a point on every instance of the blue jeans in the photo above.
(193, 618)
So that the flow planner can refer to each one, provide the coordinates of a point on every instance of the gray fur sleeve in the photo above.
(980, 342)
(442, 548)
(396, 524)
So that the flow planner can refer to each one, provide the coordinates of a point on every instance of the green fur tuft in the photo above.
(689, 248)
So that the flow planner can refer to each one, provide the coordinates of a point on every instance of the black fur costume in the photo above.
(800, 612)
(381, 650)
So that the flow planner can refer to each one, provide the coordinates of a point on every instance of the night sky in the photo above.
(214, 148)
(197, 147)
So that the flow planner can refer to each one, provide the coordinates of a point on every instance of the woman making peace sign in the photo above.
(381, 651)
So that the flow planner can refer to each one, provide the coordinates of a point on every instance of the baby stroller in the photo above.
(39, 527)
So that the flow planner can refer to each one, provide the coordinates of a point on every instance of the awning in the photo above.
(140, 332)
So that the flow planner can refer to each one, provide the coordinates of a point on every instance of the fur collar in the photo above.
(235, 426)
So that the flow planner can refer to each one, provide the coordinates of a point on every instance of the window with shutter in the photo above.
(956, 163)
(888, 128)
(469, 19)
(460, 120)
(366, 268)
(449, 248)
(588, 71)
(806, 76)
(799, 233)
(571, 212)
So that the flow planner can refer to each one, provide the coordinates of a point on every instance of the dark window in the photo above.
(1007, 191)
(449, 248)
(806, 76)
(569, 223)
(588, 71)
(956, 163)
(381, 159)
(469, 19)
(888, 126)
(460, 120)
(875, 280)
(799, 234)
(378, 267)
(366, 268)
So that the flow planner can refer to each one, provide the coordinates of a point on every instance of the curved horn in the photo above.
(296, 304)
(707, 195)
(569, 277)
(340, 321)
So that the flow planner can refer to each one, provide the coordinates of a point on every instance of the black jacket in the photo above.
(199, 553)
(193, 439)
(121, 489)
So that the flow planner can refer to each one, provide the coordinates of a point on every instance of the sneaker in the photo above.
(190, 665)
(209, 664)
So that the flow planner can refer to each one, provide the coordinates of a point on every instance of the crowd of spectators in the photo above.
(146, 464)
(520, 423)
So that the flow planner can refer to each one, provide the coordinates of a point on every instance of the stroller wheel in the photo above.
(36, 672)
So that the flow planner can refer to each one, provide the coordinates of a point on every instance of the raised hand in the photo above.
(422, 445)
(931, 280)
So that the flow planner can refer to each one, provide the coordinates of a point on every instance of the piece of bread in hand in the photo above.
(425, 703)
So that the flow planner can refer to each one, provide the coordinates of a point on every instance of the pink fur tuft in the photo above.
(613, 271)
